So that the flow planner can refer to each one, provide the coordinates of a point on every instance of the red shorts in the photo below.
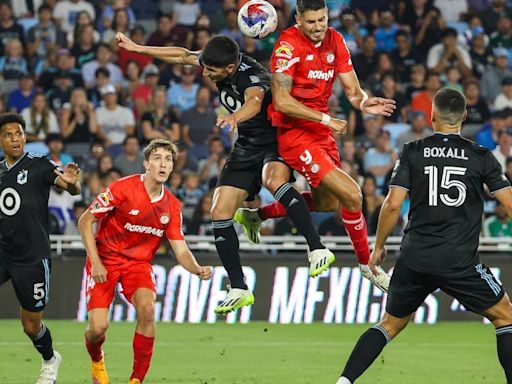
(313, 159)
(132, 274)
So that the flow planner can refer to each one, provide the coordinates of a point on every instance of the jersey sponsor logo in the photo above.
(284, 51)
(281, 63)
(229, 101)
(10, 201)
(164, 219)
(22, 177)
(254, 79)
(330, 57)
(452, 153)
(144, 229)
(134, 212)
(321, 75)
(310, 57)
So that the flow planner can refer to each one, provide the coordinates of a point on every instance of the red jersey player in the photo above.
(306, 61)
(133, 215)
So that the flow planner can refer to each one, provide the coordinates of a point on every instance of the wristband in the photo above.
(361, 105)
(325, 119)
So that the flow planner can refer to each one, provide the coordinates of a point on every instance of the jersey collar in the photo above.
(15, 163)
(158, 198)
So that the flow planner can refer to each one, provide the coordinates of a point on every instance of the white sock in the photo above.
(343, 380)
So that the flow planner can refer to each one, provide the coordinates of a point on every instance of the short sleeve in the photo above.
(493, 175)
(343, 58)
(284, 57)
(400, 177)
(174, 230)
(49, 176)
(254, 77)
(106, 201)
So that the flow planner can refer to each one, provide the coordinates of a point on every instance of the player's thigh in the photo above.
(137, 275)
(275, 174)
(143, 299)
(408, 289)
(341, 185)
(477, 289)
(100, 295)
(32, 285)
(500, 314)
(226, 200)
(4, 272)
(324, 199)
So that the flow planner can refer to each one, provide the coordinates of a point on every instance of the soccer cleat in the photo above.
(99, 371)
(250, 221)
(50, 369)
(381, 281)
(235, 299)
(135, 381)
(319, 261)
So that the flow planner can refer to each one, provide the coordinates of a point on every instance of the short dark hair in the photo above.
(128, 137)
(403, 33)
(220, 52)
(102, 71)
(8, 118)
(310, 5)
(450, 106)
(160, 143)
(448, 32)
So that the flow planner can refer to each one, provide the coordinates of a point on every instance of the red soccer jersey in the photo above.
(131, 226)
(313, 69)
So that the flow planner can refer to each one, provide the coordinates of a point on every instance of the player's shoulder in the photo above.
(290, 38)
(126, 181)
(174, 202)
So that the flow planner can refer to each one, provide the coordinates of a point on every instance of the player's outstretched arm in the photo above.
(504, 196)
(253, 99)
(68, 179)
(359, 99)
(173, 55)
(284, 102)
(85, 227)
(188, 261)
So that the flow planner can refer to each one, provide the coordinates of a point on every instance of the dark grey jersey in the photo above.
(24, 191)
(256, 132)
(445, 177)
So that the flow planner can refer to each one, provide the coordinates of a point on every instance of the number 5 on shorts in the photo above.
(39, 292)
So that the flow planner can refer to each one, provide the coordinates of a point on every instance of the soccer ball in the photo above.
(257, 19)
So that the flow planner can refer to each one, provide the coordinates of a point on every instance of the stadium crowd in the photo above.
(85, 99)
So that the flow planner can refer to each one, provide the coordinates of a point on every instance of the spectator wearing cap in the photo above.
(137, 35)
(115, 122)
(44, 35)
(183, 96)
(422, 101)
(380, 160)
(492, 13)
(65, 12)
(449, 53)
(504, 99)
(65, 64)
(419, 129)
(487, 136)
(504, 148)
(478, 111)
(103, 60)
(9, 29)
(352, 32)
(386, 31)
(13, 65)
(494, 74)
(404, 56)
(479, 51)
(21, 97)
(39, 119)
(502, 37)
(143, 93)
(129, 162)
(55, 144)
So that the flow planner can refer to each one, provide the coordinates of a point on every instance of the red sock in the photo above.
(355, 224)
(142, 352)
(275, 210)
(94, 349)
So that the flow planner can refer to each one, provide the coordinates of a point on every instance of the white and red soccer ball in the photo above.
(257, 19)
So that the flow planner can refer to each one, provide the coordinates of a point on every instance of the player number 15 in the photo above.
(446, 183)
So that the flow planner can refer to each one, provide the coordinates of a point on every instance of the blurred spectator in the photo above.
(123, 56)
(13, 65)
(419, 129)
(504, 148)
(478, 112)
(120, 23)
(175, 182)
(160, 121)
(502, 37)
(82, 19)
(130, 161)
(60, 92)
(428, 27)
(504, 99)
(384, 64)
(66, 11)
(108, 15)
(380, 160)
(103, 60)
(131, 80)
(9, 29)
(508, 168)
(422, 101)
(348, 154)
(494, 75)
(44, 35)
(231, 27)
(372, 124)
(372, 202)
(183, 96)
(366, 60)
(218, 19)
(487, 136)
(78, 122)
(102, 79)
(492, 13)
(185, 162)
(143, 93)
(388, 90)
(385, 33)
(449, 53)
(332, 226)
(498, 225)
(89, 163)
(352, 32)
(452, 10)
(84, 49)
(417, 83)
(55, 144)
(212, 165)
(168, 33)
(190, 193)
(404, 56)
(39, 119)
(65, 64)
(20, 98)
(480, 53)
(79, 207)
(201, 37)
(197, 124)
(114, 120)
(453, 77)
(251, 49)
(98, 180)
(60, 205)
(186, 12)
(201, 221)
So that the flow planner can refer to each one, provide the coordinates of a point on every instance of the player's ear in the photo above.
(465, 115)
(231, 68)
(297, 19)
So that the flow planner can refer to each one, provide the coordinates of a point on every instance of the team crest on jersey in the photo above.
(315, 168)
(281, 63)
(23, 177)
(330, 57)
(164, 219)
(105, 198)
(284, 50)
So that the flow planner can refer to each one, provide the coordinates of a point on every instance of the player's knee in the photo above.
(393, 325)
(146, 313)
(273, 182)
(353, 199)
(31, 326)
(97, 328)
(220, 213)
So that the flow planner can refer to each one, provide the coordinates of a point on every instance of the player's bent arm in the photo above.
(284, 102)
(389, 213)
(85, 227)
(72, 188)
(352, 89)
(185, 257)
(253, 97)
(504, 196)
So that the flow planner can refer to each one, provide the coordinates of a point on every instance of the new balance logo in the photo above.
(293, 201)
(134, 212)
(310, 57)
(39, 304)
(219, 239)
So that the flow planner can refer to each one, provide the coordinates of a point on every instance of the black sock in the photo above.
(298, 213)
(504, 343)
(226, 242)
(43, 342)
(369, 346)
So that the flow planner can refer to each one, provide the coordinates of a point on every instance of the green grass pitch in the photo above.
(261, 353)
